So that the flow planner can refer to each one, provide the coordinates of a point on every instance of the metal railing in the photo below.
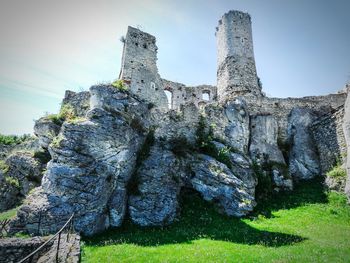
(3, 227)
(67, 226)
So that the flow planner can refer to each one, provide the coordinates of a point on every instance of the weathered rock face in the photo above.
(230, 124)
(23, 173)
(159, 183)
(173, 125)
(80, 102)
(264, 132)
(216, 183)
(9, 193)
(346, 128)
(241, 167)
(304, 160)
(46, 130)
(92, 161)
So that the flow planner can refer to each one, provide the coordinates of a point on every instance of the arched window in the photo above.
(206, 95)
(169, 96)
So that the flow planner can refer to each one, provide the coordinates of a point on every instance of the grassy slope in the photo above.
(304, 226)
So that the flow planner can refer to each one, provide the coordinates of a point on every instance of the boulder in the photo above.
(263, 142)
(230, 123)
(21, 174)
(303, 160)
(155, 201)
(216, 183)
(241, 166)
(45, 129)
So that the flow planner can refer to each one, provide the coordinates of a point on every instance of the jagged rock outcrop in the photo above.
(21, 174)
(240, 166)
(79, 101)
(92, 161)
(46, 130)
(303, 160)
(173, 125)
(230, 124)
(156, 200)
(264, 132)
(216, 183)
(265, 152)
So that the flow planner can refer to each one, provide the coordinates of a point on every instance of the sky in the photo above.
(47, 46)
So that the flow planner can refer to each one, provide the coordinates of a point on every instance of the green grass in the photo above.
(308, 225)
(9, 214)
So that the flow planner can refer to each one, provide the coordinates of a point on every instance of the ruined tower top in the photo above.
(236, 73)
(139, 67)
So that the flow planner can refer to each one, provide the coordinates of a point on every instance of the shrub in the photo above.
(13, 139)
(67, 112)
(205, 145)
(54, 118)
(57, 141)
(119, 85)
(337, 172)
(12, 181)
(4, 167)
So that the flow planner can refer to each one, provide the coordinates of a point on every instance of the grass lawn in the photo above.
(307, 225)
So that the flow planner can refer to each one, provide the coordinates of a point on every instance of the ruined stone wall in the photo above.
(329, 138)
(281, 107)
(139, 68)
(182, 94)
(236, 74)
(15, 249)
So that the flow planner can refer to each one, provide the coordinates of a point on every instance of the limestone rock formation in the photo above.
(22, 173)
(304, 160)
(127, 151)
(217, 183)
(230, 124)
(155, 201)
(92, 161)
(264, 129)
(45, 129)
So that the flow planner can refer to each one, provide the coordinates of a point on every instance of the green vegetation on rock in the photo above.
(4, 167)
(337, 171)
(307, 225)
(12, 181)
(13, 139)
(119, 85)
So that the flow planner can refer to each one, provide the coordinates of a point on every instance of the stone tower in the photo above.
(236, 73)
(139, 67)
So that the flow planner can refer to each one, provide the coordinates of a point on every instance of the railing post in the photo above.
(58, 246)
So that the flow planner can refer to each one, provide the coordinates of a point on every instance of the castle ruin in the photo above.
(131, 152)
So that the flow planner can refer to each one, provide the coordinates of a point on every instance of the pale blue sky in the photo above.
(301, 47)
